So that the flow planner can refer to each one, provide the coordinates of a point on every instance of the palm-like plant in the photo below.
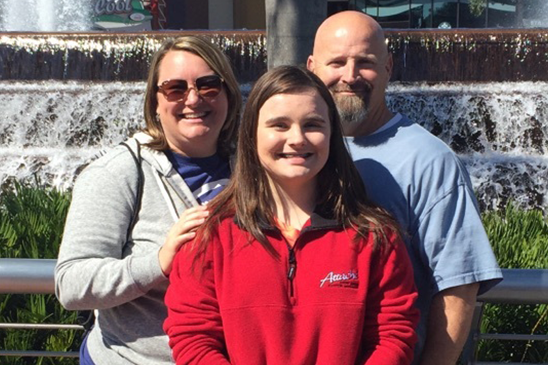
(31, 226)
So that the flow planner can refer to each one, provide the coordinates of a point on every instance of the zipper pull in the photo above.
(292, 265)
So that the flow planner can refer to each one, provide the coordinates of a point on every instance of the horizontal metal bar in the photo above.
(27, 276)
(35, 276)
(40, 326)
(510, 336)
(38, 353)
(519, 286)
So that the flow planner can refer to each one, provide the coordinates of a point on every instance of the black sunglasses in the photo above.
(177, 90)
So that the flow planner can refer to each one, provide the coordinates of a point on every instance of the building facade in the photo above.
(455, 13)
(214, 14)
(413, 14)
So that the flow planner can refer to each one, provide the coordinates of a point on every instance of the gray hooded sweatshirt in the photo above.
(100, 267)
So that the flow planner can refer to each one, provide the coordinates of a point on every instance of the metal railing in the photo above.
(31, 276)
(520, 286)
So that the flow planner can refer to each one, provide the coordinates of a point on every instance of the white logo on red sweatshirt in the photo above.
(349, 279)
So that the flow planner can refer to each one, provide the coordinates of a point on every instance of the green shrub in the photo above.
(519, 240)
(31, 221)
(31, 226)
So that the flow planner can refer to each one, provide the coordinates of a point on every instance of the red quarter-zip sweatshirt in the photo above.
(326, 301)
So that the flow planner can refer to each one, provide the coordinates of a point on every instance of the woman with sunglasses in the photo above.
(127, 220)
(294, 265)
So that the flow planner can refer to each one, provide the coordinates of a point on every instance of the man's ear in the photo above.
(310, 63)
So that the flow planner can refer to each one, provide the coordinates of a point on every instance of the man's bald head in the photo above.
(345, 23)
(351, 57)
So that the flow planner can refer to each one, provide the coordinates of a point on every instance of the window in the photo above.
(389, 13)
(421, 13)
(454, 13)
(445, 14)
(472, 15)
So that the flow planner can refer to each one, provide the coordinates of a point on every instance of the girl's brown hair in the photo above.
(248, 196)
(220, 64)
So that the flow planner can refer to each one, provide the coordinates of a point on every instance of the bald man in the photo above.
(416, 177)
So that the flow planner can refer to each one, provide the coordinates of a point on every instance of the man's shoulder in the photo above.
(407, 158)
(405, 140)
(412, 135)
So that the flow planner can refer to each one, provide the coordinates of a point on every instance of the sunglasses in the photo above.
(177, 90)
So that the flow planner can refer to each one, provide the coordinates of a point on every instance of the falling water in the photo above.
(114, 57)
(45, 15)
(50, 128)
(485, 93)
(500, 130)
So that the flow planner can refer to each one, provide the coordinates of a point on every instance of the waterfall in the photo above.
(67, 97)
(500, 130)
(45, 15)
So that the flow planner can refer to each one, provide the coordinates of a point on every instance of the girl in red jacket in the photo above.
(294, 265)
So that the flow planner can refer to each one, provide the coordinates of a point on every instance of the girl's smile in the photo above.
(293, 135)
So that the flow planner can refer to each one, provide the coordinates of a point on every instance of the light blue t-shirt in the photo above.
(425, 186)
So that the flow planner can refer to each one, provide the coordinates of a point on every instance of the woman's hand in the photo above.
(181, 232)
